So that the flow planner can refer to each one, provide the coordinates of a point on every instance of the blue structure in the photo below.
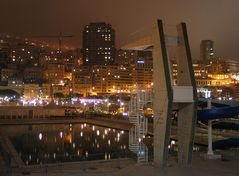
(220, 110)
(226, 143)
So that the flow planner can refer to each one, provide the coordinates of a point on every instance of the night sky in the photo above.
(206, 19)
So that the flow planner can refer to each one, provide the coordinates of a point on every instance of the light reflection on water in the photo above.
(42, 144)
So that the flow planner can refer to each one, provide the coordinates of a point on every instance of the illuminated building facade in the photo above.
(7, 73)
(142, 75)
(45, 92)
(33, 75)
(206, 51)
(82, 80)
(229, 65)
(15, 82)
(48, 58)
(126, 57)
(132, 69)
(140, 64)
(111, 79)
(72, 59)
(62, 89)
(219, 77)
(24, 54)
(30, 91)
(98, 44)
(55, 73)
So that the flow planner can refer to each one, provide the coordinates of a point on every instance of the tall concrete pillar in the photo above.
(187, 111)
(163, 97)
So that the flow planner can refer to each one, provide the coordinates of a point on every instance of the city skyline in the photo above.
(106, 87)
(129, 19)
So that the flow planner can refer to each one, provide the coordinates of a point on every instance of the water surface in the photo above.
(41, 144)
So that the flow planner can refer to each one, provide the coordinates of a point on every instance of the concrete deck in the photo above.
(199, 167)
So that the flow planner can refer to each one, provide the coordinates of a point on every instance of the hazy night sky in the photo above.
(206, 19)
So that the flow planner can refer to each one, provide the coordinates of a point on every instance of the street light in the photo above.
(108, 107)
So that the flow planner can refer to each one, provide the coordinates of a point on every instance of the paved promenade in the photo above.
(200, 167)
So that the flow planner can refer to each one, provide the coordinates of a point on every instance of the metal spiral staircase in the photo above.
(140, 124)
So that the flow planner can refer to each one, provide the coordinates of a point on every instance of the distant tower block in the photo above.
(166, 95)
(206, 51)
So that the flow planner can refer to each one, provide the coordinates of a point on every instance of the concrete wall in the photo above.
(27, 112)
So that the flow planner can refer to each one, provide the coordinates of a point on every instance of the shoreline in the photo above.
(112, 123)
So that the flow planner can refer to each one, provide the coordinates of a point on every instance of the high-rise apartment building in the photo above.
(98, 44)
(206, 51)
